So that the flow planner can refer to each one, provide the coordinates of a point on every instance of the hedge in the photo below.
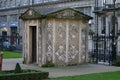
(24, 75)
(116, 63)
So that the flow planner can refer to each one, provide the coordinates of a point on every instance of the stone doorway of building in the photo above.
(33, 43)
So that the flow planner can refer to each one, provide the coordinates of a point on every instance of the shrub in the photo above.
(18, 68)
(48, 64)
(116, 63)
(25, 75)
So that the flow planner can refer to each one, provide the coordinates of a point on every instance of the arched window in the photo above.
(114, 25)
(103, 28)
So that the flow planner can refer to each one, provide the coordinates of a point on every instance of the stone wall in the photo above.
(66, 42)
(61, 41)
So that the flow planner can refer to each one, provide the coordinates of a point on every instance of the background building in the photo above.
(107, 39)
(10, 10)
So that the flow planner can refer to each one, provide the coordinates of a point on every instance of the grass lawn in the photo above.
(97, 76)
(11, 54)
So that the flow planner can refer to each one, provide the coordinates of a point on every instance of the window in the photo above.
(17, 2)
(14, 31)
(85, 10)
(12, 3)
(36, 1)
(5, 3)
(103, 2)
(3, 21)
(3, 18)
(25, 2)
(88, 10)
(14, 18)
(81, 9)
(103, 25)
(4, 33)
(0, 4)
(119, 24)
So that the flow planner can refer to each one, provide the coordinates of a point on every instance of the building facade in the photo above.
(10, 10)
(107, 42)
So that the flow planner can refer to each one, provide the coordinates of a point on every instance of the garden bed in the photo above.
(23, 75)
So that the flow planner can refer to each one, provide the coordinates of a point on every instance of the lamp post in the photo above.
(114, 35)
(96, 35)
(19, 4)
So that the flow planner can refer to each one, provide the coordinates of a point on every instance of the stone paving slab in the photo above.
(9, 64)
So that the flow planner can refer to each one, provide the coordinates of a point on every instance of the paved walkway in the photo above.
(9, 64)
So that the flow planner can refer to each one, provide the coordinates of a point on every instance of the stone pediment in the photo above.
(30, 14)
(69, 13)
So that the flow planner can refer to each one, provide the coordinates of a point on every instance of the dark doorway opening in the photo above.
(4, 33)
(34, 54)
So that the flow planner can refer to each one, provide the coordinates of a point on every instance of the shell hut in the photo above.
(58, 36)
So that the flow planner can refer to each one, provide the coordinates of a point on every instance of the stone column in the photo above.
(43, 26)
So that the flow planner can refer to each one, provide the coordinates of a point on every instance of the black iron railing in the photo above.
(10, 42)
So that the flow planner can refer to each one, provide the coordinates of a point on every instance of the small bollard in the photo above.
(1, 56)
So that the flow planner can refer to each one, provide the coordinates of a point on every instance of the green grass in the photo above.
(11, 54)
(96, 76)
